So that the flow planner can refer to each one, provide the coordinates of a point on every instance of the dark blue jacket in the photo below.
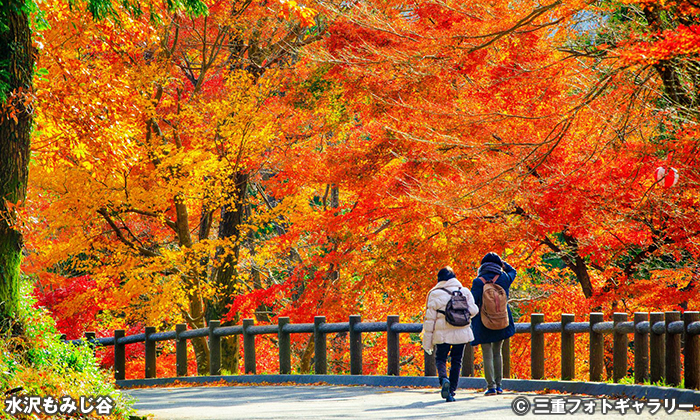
(489, 271)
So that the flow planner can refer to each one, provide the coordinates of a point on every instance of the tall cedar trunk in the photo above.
(226, 273)
(16, 69)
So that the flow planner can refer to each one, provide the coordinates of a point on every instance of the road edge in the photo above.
(645, 392)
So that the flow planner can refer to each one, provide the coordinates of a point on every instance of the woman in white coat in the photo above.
(448, 339)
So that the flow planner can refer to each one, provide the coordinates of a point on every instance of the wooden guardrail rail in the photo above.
(657, 345)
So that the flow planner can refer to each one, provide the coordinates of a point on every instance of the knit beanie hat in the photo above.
(491, 257)
(445, 273)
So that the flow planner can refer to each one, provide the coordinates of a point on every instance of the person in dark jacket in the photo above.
(491, 341)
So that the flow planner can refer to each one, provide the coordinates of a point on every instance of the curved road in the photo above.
(348, 402)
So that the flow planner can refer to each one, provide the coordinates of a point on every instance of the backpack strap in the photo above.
(451, 293)
(447, 291)
(493, 280)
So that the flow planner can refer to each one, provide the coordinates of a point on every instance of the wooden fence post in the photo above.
(119, 356)
(180, 350)
(468, 361)
(248, 347)
(657, 349)
(673, 351)
(150, 353)
(355, 346)
(320, 360)
(568, 357)
(284, 343)
(620, 343)
(392, 347)
(214, 348)
(536, 347)
(505, 354)
(641, 349)
(595, 349)
(691, 352)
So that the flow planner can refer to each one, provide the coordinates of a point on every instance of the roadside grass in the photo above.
(37, 363)
(629, 380)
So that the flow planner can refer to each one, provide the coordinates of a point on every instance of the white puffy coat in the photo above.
(435, 329)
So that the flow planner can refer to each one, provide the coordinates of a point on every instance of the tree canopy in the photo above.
(221, 160)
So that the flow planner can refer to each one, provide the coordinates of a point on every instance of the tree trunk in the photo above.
(263, 311)
(333, 271)
(201, 347)
(672, 73)
(16, 71)
(307, 355)
(226, 274)
(573, 261)
(196, 309)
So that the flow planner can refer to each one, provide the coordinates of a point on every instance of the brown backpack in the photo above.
(494, 305)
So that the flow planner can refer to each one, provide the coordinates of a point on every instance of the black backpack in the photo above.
(456, 311)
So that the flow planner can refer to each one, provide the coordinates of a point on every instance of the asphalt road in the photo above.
(356, 402)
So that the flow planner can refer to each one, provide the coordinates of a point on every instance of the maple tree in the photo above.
(417, 137)
(533, 148)
(624, 225)
(278, 159)
(537, 155)
(177, 124)
(16, 98)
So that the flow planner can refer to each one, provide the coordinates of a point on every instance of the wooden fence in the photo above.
(657, 345)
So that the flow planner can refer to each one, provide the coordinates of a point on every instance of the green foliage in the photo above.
(41, 364)
(627, 380)
(663, 383)
(37, 21)
(37, 17)
(104, 9)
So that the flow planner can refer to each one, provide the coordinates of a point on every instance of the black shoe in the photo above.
(445, 391)
(450, 398)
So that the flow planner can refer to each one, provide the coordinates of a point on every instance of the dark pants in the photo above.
(455, 351)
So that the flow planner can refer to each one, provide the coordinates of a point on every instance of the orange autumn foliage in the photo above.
(378, 142)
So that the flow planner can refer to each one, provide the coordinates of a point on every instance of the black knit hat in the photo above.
(491, 257)
(446, 273)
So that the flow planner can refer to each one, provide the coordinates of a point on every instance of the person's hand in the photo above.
(429, 351)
